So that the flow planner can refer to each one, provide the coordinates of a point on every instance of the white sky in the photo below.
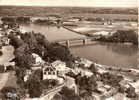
(85, 3)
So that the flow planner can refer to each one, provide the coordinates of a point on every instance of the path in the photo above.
(3, 79)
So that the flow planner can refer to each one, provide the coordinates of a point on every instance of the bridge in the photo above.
(77, 41)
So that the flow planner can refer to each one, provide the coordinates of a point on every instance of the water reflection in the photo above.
(109, 54)
(122, 49)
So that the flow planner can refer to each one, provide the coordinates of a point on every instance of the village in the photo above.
(43, 70)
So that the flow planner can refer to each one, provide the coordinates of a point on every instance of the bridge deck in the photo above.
(75, 39)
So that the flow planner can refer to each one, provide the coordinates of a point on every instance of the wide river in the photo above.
(103, 53)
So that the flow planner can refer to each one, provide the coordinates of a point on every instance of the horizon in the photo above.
(71, 3)
(63, 6)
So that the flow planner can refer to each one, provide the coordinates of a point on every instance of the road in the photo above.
(3, 79)
(4, 59)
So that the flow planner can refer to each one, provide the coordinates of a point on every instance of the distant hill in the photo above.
(44, 11)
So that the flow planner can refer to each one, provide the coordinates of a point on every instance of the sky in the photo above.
(84, 3)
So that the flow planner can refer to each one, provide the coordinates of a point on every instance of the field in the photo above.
(69, 11)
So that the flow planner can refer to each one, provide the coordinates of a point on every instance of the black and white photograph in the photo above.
(69, 50)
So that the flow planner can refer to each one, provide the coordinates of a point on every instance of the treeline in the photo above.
(37, 43)
(46, 22)
(122, 36)
(16, 19)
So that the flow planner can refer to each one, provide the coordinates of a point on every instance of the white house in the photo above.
(4, 40)
(38, 60)
(60, 67)
(49, 72)
(85, 62)
(27, 74)
(84, 72)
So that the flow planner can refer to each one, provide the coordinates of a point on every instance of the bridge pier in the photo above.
(84, 41)
(67, 43)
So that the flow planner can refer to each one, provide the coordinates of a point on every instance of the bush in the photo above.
(1, 68)
(34, 86)
(49, 83)
(1, 53)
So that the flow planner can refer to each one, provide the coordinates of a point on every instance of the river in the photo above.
(103, 53)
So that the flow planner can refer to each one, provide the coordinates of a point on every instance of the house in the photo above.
(38, 60)
(61, 68)
(27, 74)
(55, 70)
(4, 40)
(84, 72)
(49, 72)
(85, 62)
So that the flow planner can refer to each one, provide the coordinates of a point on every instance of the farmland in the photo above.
(124, 13)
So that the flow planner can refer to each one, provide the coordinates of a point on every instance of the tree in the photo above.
(23, 19)
(68, 94)
(30, 39)
(41, 39)
(93, 69)
(57, 97)
(8, 19)
(131, 92)
(24, 60)
(87, 96)
(49, 83)
(111, 79)
(59, 52)
(86, 84)
(39, 73)
(1, 53)
(20, 73)
(15, 41)
(34, 86)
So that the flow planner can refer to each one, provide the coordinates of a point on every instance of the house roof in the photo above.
(57, 63)
(49, 68)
